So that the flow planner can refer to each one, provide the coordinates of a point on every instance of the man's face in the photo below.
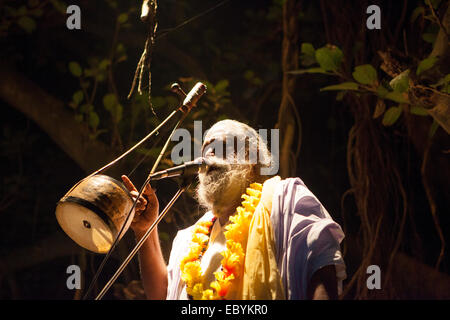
(224, 181)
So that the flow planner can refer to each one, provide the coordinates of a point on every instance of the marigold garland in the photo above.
(236, 235)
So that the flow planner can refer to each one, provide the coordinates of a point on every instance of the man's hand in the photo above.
(147, 207)
(323, 284)
(151, 261)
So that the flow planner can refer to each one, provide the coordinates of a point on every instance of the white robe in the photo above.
(306, 239)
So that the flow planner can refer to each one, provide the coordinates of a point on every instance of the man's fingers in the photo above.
(127, 182)
(149, 191)
(141, 203)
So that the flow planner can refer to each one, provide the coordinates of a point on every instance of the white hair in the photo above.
(249, 143)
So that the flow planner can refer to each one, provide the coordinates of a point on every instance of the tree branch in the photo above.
(289, 61)
(57, 121)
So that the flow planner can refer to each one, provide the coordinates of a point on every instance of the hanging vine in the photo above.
(148, 16)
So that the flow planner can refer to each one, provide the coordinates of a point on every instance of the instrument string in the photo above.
(165, 32)
(116, 240)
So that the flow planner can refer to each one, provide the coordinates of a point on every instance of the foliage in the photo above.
(365, 80)
(392, 93)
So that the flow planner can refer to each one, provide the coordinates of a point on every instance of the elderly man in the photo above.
(261, 238)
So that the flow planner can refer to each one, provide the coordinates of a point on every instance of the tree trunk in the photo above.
(57, 121)
(289, 61)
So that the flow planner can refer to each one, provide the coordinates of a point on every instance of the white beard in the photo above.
(220, 190)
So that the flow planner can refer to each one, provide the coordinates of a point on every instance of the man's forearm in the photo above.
(323, 284)
(153, 267)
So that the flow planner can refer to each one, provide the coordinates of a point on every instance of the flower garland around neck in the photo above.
(232, 264)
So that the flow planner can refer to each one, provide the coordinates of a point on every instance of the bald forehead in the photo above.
(230, 135)
(229, 129)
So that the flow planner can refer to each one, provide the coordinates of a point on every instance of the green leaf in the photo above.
(307, 49)
(172, 101)
(109, 101)
(100, 77)
(418, 111)
(103, 65)
(112, 4)
(382, 91)
(342, 86)
(93, 120)
(113, 106)
(429, 37)
(391, 116)
(426, 64)
(75, 68)
(159, 102)
(365, 74)
(329, 57)
(416, 13)
(59, 6)
(396, 96)
(27, 24)
(446, 89)
(249, 74)
(77, 97)
(222, 85)
(163, 236)
(401, 82)
(310, 70)
(86, 108)
(442, 81)
(122, 18)
(445, 83)
(118, 113)
(120, 49)
(223, 117)
(308, 54)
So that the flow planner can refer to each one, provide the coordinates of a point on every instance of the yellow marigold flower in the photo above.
(248, 205)
(200, 238)
(235, 247)
(197, 291)
(240, 210)
(201, 229)
(256, 186)
(221, 287)
(232, 264)
(221, 276)
(251, 199)
(209, 295)
(191, 272)
(195, 249)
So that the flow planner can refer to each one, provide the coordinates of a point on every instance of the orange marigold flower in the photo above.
(236, 234)
(201, 229)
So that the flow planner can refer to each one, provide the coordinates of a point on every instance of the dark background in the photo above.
(236, 50)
